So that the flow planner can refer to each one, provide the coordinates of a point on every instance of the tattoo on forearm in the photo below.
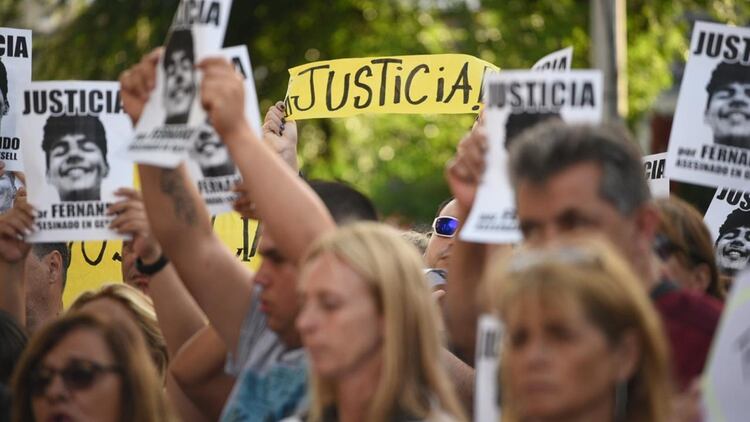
(171, 183)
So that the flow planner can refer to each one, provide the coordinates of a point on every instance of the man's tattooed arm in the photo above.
(172, 184)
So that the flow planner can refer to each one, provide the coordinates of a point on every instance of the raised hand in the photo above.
(137, 82)
(281, 134)
(465, 170)
(131, 220)
(15, 224)
(223, 98)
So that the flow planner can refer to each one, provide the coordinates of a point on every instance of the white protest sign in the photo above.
(653, 166)
(15, 76)
(558, 60)
(726, 384)
(515, 101)
(173, 115)
(71, 132)
(710, 139)
(728, 219)
(489, 336)
(209, 163)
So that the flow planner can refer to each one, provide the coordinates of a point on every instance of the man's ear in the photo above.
(105, 170)
(54, 263)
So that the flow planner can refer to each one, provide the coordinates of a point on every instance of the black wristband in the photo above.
(151, 269)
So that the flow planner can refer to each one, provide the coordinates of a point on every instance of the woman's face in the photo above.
(559, 363)
(74, 391)
(338, 322)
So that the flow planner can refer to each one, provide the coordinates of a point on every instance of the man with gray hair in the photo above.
(578, 180)
(31, 284)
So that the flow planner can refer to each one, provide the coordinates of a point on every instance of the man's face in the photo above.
(733, 250)
(728, 111)
(43, 295)
(130, 275)
(76, 164)
(438, 250)
(209, 150)
(277, 278)
(569, 203)
(180, 83)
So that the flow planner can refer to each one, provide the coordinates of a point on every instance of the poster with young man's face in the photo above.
(15, 75)
(516, 101)
(728, 219)
(710, 139)
(72, 132)
(209, 163)
(173, 115)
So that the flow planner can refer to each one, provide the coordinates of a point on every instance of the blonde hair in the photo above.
(142, 397)
(142, 308)
(590, 273)
(412, 378)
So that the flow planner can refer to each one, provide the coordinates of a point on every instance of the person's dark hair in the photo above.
(345, 203)
(12, 342)
(4, 85)
(179, 40)
(725, 73)
(517, 123)
(736, 219)
(687, 235)
(43, 249)
(141, 393)
(552, 147)
(59, 126)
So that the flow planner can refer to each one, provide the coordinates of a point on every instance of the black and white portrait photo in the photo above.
(728, 106)
(709, 142)
(75, 149)
(733, 243)
(179, 76)
(211, 154)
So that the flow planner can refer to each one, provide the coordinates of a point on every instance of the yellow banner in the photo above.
(93, 264)
(421, 84)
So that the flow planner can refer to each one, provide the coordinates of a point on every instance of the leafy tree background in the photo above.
(397, 160)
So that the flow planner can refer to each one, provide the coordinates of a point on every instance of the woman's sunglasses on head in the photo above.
(445, 226)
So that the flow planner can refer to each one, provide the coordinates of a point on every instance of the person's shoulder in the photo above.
(688, 307)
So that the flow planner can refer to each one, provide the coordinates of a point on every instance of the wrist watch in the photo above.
(151, 269)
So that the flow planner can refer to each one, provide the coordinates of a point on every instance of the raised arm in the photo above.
(198, 368)
(220, 284)
(467, 260)
(14, 225)
(289, 209)
(178, 314)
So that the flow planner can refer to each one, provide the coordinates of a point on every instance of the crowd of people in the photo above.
(609, 306)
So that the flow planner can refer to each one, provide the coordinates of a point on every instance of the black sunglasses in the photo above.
(445, 226)
(78, 374)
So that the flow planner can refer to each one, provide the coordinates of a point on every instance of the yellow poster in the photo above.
(420, 84)
(95, 263)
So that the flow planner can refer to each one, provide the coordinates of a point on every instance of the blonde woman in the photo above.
(128, 305)
(582, 340)
(370, 328)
